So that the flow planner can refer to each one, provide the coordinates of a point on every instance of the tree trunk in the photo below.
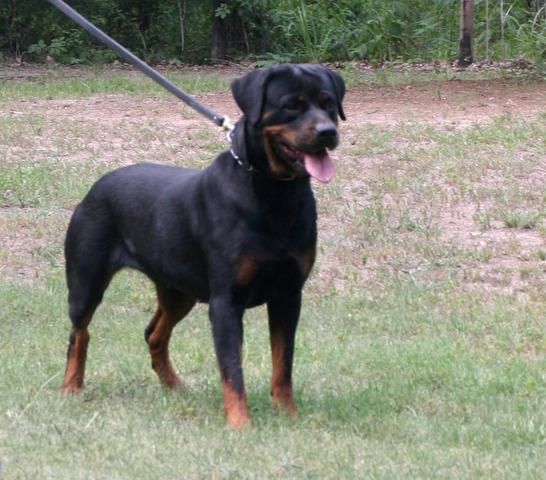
(466, 33)
(219, 34)
(540, 8)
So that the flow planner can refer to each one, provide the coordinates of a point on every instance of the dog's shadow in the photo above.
(200, 401)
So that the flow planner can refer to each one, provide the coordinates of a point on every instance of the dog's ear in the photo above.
(249, 93)
(329, 76)
(339, 88)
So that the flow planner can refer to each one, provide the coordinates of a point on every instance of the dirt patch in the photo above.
(454, 102)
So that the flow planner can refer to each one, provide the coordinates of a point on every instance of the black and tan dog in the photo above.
(238, 234)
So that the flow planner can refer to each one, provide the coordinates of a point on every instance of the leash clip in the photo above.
(229, 127)
(226, 125)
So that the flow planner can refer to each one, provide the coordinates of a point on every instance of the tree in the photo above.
(466, 33)
(219, 30)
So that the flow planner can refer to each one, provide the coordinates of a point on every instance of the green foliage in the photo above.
(532, 35)
(179, 31)
(381, 30)
(313, 31)
(71, 48)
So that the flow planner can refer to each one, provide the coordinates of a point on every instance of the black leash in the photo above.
(142, 66)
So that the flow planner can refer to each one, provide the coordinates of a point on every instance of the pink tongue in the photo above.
(320, 166)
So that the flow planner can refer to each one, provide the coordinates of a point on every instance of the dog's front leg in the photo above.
(284, 315)
(227, 331)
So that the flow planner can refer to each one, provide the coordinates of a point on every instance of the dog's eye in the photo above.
(329, 103)
(292, 106)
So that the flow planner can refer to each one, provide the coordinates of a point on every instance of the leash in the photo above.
(220, 121)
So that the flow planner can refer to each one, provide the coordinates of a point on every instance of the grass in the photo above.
(81, 81)
(387, 387)
(421, 351)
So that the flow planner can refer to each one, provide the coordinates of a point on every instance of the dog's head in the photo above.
(292, 111)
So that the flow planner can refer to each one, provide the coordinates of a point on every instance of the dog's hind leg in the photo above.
(172, 307)
(90, 265)
(86, 288)
(76, 357)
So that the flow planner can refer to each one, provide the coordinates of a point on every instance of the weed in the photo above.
(524, 220)
(483, 220)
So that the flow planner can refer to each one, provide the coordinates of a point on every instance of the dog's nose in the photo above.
(326, 131)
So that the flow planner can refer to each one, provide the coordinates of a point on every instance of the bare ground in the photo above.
(454, 105)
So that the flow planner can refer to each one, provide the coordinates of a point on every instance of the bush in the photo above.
(282, 30)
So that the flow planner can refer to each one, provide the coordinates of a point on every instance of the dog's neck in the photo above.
(238, 146)
(241, 162)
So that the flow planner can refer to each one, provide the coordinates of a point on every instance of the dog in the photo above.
(238, 234)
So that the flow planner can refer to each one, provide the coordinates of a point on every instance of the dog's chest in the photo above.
(260, 280)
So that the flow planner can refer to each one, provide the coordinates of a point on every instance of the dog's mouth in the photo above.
(318, 163)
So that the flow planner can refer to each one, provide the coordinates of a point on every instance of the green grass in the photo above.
(81, 81)
(388, 387)
(422, 345)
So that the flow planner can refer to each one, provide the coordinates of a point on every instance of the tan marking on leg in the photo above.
(158, 344)
(236, 407)
(281, 387)
(163, 323)
(75, 365)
